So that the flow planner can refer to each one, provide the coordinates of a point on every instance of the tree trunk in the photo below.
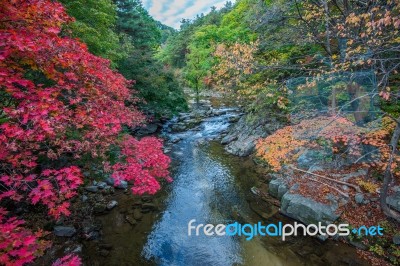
(197, 94)
(333, 106)
(329, 50)
(388, 176)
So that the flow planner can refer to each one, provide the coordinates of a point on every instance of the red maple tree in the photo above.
(59, 103)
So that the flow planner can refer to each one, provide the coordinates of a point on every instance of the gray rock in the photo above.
(84, 198)
(67, 231)
(311, 158)
(219, 112)
(101, 185)
(183, 117)
(315, 168)
(122, 185)
(277, 188)
(243, 134)
(74, 249)
(358, 245)
(178, 127)
(308, 210)
(394, 201)
(322, 238)
(147, 130)
(295, 187)
(86, 174)
(228, 139)
(331, 198)
(88, 229)
(111, 182)
(359, 198)
(175, 139)
(242, 147)
(396, 239)
(77, 249)
(93, 189)
(112, 204)
(93, 235)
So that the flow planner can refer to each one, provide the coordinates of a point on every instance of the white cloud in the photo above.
(171, 12)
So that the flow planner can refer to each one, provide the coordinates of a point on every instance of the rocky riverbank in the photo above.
(241, 137)
(110, 226)
(106, 218)
(293, 190)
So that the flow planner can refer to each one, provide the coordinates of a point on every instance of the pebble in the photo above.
(112, 204)
(93, 189)
(130, 220)
(67, 231)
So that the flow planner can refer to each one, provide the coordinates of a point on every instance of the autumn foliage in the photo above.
(22, 245)
(142, 163)
(342, 137)
(59, 104)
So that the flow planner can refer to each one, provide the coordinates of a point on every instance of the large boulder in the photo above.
(228, 139)
(242, 147)
(394, 200)
(178, 127)
(147, 130)
(277, 188)
(242, 136)
(308, 210)
(311, 158)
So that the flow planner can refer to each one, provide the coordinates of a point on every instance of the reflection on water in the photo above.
(205, 190)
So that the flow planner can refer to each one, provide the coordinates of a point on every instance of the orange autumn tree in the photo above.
(234, 63)
(235, 70)
(360, 35)
(287, 144)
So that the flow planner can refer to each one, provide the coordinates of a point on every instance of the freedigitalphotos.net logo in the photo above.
(279, 230)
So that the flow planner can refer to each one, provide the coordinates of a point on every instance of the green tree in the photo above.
(94, 24)
(156, 85)
(197, 67)
(135, 21)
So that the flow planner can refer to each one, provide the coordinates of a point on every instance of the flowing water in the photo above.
(213, 187)
(204, 190)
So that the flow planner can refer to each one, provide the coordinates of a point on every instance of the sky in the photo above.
(171, 12)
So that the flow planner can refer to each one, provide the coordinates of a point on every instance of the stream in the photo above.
(213, 187)
(205, 190)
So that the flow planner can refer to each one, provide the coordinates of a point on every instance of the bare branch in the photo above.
(357, 188)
